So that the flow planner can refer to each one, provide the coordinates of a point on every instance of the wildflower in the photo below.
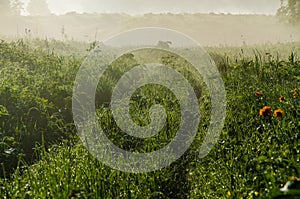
(291, 185)
(265, 111)
(281, 98)
(258, 94)
(295, 93)
(278, 113)
(295, 178)
(260, 128)
(228, 193)
(256, 193)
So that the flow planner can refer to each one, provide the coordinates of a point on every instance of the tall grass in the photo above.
(254, 156)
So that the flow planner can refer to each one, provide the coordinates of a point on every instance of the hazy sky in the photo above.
(162, 6)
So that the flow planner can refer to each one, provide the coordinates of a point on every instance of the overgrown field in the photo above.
(42, 157)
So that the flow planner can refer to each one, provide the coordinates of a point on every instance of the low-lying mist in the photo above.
(207, 29)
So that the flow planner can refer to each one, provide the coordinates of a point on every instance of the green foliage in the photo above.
(34, 96)
(254, 155)
(290, 9)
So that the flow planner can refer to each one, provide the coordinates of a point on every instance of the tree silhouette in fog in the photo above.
(10, 7)
(38, 8)
(290, 10)
(4, 6)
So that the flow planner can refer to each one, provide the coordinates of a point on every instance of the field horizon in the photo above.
(207, 29)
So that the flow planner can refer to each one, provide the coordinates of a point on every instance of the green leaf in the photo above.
(3, 111)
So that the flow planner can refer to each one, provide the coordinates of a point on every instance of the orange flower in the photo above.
(265, 111)
(258, 94)
(278, 113)
(281, 98)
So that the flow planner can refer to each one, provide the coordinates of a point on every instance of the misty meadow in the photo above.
(257, 57)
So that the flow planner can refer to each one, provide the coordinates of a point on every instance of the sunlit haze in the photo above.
(233, 22)
(135, 7)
